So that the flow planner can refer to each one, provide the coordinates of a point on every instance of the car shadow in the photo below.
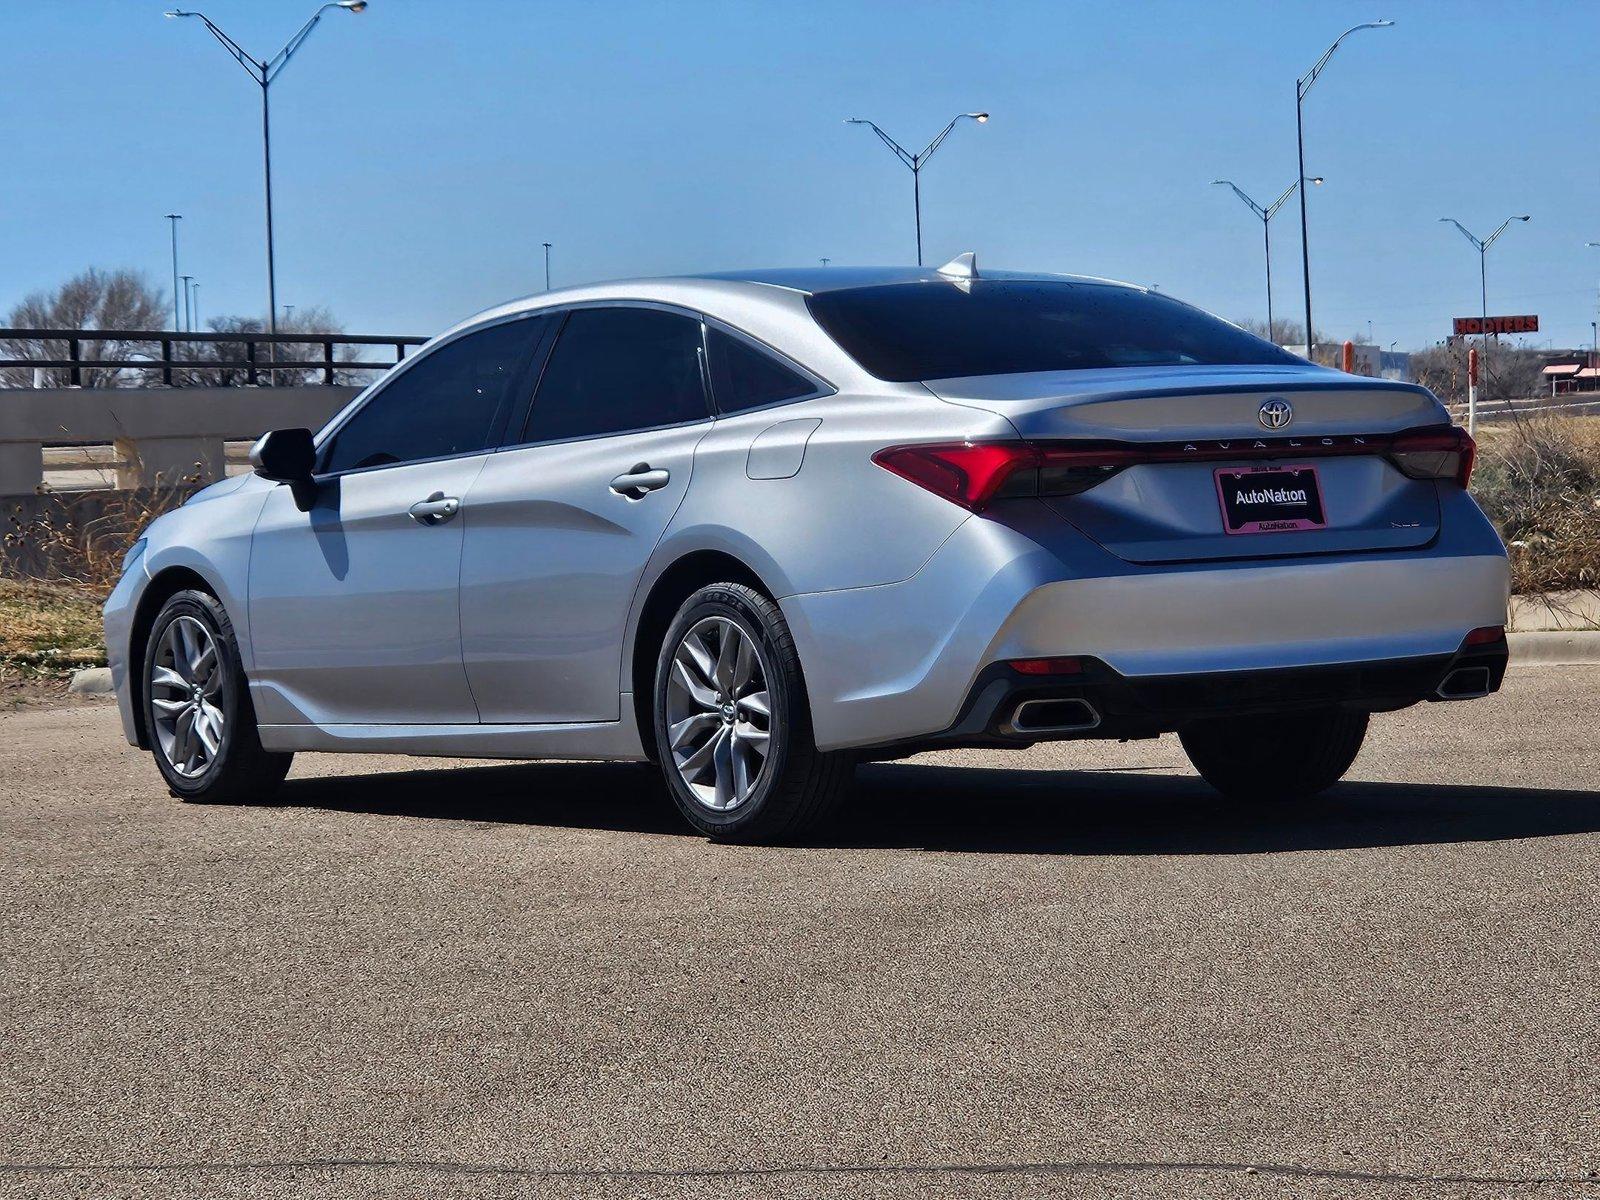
(918, 806)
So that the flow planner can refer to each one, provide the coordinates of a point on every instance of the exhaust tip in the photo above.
(1054, 716)
(1464, 683)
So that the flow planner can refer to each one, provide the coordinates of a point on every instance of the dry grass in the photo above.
(50, 618)
(83, 543)
(48, 629)
(1539, 481)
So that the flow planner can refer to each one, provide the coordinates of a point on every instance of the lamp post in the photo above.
(264, 72)
(1595, 362)
(194, 298)
(917, 161)
(177, 320)
(188, 307)
(547, 266)
(1482, 247)
(824, 261)
(1301, 87)
(1266, 214)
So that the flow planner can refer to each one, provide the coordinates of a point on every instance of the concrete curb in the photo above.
(91, 681)
(1573, 647)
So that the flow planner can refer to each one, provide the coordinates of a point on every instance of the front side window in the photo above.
(615, 369)
(444, 404)
(913, 331)
(744, 377)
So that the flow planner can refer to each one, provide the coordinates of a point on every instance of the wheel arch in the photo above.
(685, 576)
(163, 585)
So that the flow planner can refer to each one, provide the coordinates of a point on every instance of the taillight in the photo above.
(1435, 454)
(966, 473)
(972, 474)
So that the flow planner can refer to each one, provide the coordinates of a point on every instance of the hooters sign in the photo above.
(1476, 325)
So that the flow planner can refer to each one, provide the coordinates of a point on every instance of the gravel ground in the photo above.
(1066, 972)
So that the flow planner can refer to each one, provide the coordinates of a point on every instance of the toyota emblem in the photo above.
(1275, 413)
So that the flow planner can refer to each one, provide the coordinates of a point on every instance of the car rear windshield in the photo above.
(938, 330)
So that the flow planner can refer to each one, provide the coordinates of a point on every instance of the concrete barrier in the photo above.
(161, 435)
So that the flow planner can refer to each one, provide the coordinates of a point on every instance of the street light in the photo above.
(1301, 87)
(1482, 247)
(1266, 214)
(1595, 361)
(264, 72)
(177, 321)
(547, 266)
(194, 298)
(916, 161)
(188, 306)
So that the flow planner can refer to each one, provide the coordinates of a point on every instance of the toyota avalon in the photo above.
(756, 528)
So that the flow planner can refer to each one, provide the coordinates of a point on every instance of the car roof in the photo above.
(769, 305)
(780, 284)
(812, 280)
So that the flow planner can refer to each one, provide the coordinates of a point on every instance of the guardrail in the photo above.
(63, 350)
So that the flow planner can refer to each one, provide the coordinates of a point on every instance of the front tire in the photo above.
(1261, 759)
(733, 722)
(197, 710)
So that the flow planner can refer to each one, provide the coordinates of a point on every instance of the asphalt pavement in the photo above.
(1071, 971)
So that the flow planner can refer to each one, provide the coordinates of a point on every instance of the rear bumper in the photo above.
(1006, 708)
(896, 664)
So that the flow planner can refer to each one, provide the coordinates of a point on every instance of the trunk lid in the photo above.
(1171, 510)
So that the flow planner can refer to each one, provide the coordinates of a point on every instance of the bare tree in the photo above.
(1505, 372)
(1284, 332)
(231, 357)
(1329, 351)
(94, 299)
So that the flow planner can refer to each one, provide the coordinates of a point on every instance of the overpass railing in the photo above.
(158, 407)
(98, 357)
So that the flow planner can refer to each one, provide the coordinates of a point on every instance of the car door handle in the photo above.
(639, 480)
(435, 510)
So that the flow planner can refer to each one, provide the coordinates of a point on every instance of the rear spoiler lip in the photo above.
(1235, 385)
(1249, 447)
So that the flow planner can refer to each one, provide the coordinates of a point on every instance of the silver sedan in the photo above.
(758, 527)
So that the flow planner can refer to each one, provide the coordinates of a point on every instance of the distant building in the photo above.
(1570, 371)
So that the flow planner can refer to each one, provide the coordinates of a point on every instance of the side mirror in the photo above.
(288, 456)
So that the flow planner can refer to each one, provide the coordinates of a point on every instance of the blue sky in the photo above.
(424, 149)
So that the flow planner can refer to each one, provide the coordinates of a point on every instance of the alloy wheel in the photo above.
(186, 697)
(719, 713)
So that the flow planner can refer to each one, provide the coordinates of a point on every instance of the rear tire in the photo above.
(197, 709)
(732, 722)
(1259, 760)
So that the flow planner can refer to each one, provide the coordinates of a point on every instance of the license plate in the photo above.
(1270, 499)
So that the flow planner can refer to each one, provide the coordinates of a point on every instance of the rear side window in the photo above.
(445, 403)
(615, 369)
(912, 331)
(744, 377)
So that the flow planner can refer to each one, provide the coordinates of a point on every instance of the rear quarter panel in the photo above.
(839, 520)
